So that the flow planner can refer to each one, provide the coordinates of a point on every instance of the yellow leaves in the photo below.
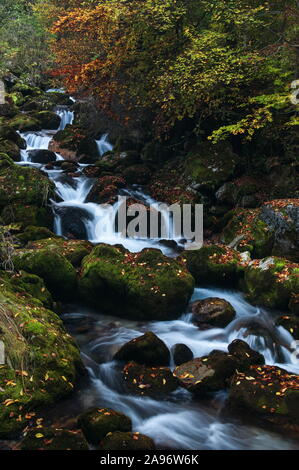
(39, 435)
(9, 402)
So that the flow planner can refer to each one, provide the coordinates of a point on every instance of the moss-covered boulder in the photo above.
(105, 189)
(137, 174)
(271, 282)
(7, 133)
(73, 250)
(33, 233)
(29, 285)
(245, 355)
(127, 441)
(42, 156)
(42, 361)
(57, 272)
(211, 165)
(207, 374)
(27, 215)
(26, 89)
(11, 149)
(26, 186)
(267, 392)
(76, 139)
(249, 233)
(181, 354)
(147, 349)
(213, 311)
(216, 264)
(47, 119)
(144, 285)
(149, 381)
(25, 123)
(99, 422)
(53, 439)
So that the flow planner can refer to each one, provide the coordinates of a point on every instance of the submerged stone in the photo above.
(213, 311)
(149, 381)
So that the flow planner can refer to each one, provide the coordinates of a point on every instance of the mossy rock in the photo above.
(207, 374)
(57, 272)
(211, 165)
(73, 250)
(42, 361)
(26, 186)
(98, 422)
(149, 381)
(271, 282)
(245, 355)
(25, 123)
(137, 174)
(144, 285)
(33, 233)
(8, 109)
(7, 133)
(47, 119)
(53, 439)
(267, 392)
(25, 215)
(31, 285)
(11, 149)
(215, 264)
(249, 233)
(127, 441)
(181, 354)
(25, 89)
(147, 349)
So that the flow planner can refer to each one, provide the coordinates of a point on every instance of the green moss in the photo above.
(42, 360)
(30, 285)
(73, 250)
(271, 282)
(216, 264)
(56, 271)
(33, 233)
(25, 123)
(97, 423)
(27, 215)
(47, 119)
(11, 149)
(144, 285)
(22, 185)
(255, 235)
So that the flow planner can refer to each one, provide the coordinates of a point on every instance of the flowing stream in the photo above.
(178, 422)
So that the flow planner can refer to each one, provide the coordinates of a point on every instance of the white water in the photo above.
(67, 117)
(176, 422)
(104, 145)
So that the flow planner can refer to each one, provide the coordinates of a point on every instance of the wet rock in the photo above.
(244, 355)
(92, 171)
(105, 189)
(213, 311)
(268, 392)
(56, 271)
(69, 166)
(8, 133)
(41, 156)
(53, 439)
(181, 354)
(217, 264)
(127, 441)
(147, 349)
(33, 286)
(271, 282)
(97, 423)
(207, 374)
(249, 201)
(149, 381)
(227, 194)
(145, 285)
(290, 323)
(73, 220)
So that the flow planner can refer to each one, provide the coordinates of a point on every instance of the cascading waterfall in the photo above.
(104, 145)
(67, 117)
(177, 422)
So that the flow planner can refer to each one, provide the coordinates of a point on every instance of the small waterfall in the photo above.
(104, 145)
(67, 117)
(37, 140)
